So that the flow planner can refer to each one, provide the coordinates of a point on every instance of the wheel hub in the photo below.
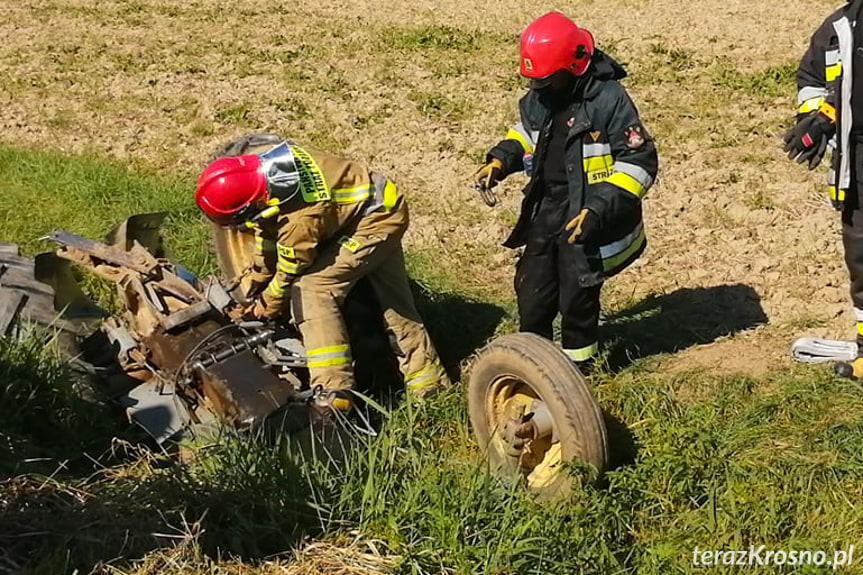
(526, 431)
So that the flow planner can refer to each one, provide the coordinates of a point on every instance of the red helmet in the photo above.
(228, 187)
(553, 42)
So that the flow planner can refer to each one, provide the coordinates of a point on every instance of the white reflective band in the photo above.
(846, 46)
(385, 196)
(810, 93)
(426, 376)
(610, 250)
(831, 57)
(582, 353)
(593, 150)
(858, 314)
(524, 137)
(328, 356)
(637, 173)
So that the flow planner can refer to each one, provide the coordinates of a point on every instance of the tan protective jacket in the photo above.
(316, 198)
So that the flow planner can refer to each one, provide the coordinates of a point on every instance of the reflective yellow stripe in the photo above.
(598, 163)
(582, 353)
(513, 134)
(331, 355)
(276, 288)
(326, 350)
(834, 71)
(860, 328)
(832, 191)
(810, 105)
(628, 183)
(618, 259)
(351, 195)
(389, 196)
(290, 267)
(837, 195)
(426, 376)
(331, 361)
(264, 245)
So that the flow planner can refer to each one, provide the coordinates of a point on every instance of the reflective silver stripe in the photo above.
(594, 150)
(379, 199)
(431, 374)
(831, 177)
(526, 137)
(332, 355)
(846, 46)
(637, 173)
(610, 250)
(810, 93)
(350, 195)
(832, 57)
(858, 314)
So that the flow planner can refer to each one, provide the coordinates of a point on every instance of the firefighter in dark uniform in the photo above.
(830, 114)
(590, 163)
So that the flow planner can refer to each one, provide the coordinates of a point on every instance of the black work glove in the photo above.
(807, 141)
(583, 226)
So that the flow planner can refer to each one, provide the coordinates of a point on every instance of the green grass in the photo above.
(771, 82)
(718, 463)
(44, 191)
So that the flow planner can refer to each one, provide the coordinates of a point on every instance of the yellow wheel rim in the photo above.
(540, 459)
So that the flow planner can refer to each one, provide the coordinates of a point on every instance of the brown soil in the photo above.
(164, 83)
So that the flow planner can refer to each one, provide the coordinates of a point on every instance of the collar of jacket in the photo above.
(852, 9)
(602, 68)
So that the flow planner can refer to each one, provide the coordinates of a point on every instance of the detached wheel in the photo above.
(533, 412)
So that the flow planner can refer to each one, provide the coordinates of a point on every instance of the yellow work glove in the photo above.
(582, 226)
(490, 174)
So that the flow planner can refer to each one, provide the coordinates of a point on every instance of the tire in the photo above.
(516, 370)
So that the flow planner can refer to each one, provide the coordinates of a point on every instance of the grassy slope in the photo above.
(419, 92)
(700, 460)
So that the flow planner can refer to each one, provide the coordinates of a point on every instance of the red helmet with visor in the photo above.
(230, 189)
(552, 43)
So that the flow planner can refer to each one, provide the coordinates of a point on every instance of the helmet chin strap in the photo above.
(272, 210)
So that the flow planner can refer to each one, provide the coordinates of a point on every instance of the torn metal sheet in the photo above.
(155, 407)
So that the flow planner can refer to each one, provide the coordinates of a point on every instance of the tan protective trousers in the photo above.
(317, 296)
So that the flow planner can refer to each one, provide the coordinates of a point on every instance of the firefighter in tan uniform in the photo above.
(332, 222)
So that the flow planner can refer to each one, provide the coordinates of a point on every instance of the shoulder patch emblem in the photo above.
(595, 135)
(634, 137)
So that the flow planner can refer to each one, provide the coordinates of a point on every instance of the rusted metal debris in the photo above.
(180, 346)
